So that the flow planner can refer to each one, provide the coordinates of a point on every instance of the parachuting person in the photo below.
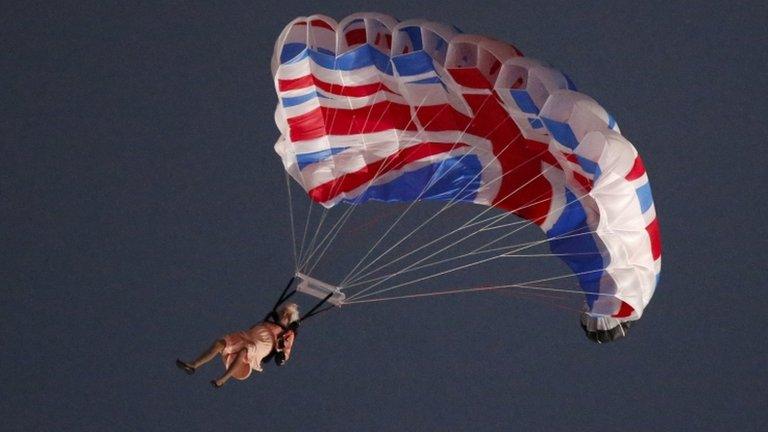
(244, 351)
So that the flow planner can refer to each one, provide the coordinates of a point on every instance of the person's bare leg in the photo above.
(204, 358)
(231, 370)
(209, 354)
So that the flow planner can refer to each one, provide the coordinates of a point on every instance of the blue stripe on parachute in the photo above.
(430, 80)
(580, 249)
(414, 34)
(305, 159)
(645, 197)
(360, 57)
(414, 63)
(561, 132)
(298, 100)
(457, 178)
(291, 50)
(589, 166)
(524, 101)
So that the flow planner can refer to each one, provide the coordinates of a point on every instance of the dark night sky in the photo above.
(143, 214)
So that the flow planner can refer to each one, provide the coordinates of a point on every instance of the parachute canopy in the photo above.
(375, 109)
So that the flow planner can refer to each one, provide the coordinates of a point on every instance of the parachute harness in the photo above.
(273, 317)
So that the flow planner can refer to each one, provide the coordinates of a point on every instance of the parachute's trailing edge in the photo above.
(375, 109)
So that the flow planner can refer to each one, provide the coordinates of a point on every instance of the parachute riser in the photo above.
(309, 286)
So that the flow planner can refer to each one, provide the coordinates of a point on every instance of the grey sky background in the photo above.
(143, 214)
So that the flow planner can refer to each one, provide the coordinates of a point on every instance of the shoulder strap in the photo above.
(285, 295)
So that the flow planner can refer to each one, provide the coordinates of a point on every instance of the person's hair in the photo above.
(289, 312)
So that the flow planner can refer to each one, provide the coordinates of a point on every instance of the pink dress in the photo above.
(258, 341)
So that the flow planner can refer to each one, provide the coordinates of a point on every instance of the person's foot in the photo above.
(186, 367)
(216, 384)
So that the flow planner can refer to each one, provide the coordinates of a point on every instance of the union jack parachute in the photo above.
(372, 109)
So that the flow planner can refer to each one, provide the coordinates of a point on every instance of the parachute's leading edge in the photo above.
(375, 109)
